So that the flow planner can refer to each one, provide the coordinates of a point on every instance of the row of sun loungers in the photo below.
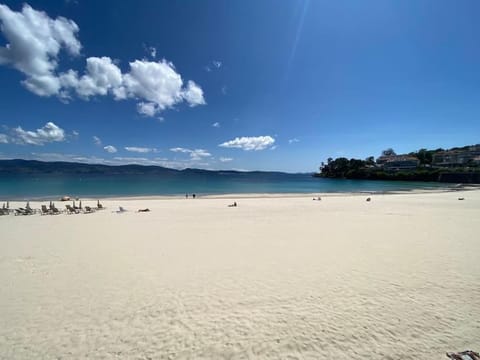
(51, 209)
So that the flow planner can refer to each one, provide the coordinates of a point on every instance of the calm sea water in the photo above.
(44, 186)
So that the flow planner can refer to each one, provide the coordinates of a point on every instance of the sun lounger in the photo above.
(22, 211)
(54, 210)
(44, 210)
(88, 210)
(71, 210)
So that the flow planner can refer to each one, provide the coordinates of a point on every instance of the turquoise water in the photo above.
(50, 186)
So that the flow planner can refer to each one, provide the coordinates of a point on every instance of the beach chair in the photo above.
(70, 210)
(44, 210)
(100, 206)
(88, 210)
(21, 211)
(29, 210)
(54, 210)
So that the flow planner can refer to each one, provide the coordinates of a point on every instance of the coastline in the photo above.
(47, 198)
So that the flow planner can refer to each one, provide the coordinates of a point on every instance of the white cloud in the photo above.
(34, 41)
(147, 109)
(225, 159)
(294, 140)
(250, 143)
(224, 90)
(140, 149)
(179, 149)
(160, 85)
(97, 141)
(193, 94)
(130, 160)
(48, 133)
(110, 148)
(216, 124)
(101, 77)
(195, 155)
(3, 139)
(217, 64)
(156, 84)
(198, 154)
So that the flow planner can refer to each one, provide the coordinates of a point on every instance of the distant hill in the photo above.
(19, 166)
(26, 167)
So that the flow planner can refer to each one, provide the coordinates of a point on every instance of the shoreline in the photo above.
(57, 198)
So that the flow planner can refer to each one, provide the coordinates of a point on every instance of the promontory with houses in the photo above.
(461, 164)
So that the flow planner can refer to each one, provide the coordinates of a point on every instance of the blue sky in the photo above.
(253, 85)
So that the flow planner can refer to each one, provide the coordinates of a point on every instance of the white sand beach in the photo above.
(274, 278)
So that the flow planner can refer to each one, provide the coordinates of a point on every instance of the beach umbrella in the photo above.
(8, 204)
(80, 206)
(73, 205)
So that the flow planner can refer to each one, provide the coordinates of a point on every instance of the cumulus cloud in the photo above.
(225, 159)
(216, 124)
(34, 41)
(140, 149)
(101, 77)
(3, 139)
(193, 94)
(294, 140)
(110, 148)
(250, 143)
(97, 141)
(159, 86)
(156, 84)
(48, 133)
(195, 155)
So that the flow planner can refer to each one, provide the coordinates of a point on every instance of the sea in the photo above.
(22, 187)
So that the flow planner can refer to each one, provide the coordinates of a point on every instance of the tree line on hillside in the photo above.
(344, 168)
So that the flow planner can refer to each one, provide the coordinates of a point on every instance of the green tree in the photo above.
(370, 160)
(388, 152)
